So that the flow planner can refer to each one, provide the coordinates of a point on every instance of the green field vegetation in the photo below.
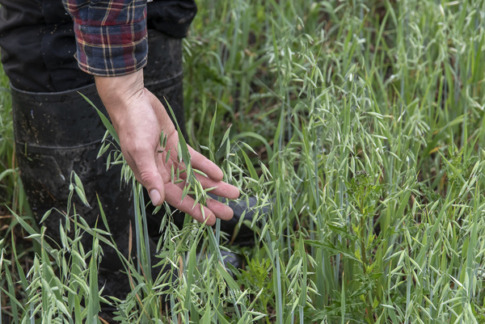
(360, 123)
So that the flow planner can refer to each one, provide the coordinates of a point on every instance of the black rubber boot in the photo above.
(57, 134)
(60, 133)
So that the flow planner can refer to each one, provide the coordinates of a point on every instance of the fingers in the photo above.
(221, 210)
(219, 188)
(174, 197)
(205, 165)
(197, 160)
(209, 168)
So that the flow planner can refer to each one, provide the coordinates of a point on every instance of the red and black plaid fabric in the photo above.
(111, 35)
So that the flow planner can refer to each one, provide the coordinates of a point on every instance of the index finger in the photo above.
(173, 196)
(205, 165)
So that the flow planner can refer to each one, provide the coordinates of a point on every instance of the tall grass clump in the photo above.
(358, 126)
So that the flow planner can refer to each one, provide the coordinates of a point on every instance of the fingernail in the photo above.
(155, 196)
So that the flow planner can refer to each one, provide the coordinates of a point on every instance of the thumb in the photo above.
(148, 175)
(152, 181)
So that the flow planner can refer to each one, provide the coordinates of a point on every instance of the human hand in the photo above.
(140, 119)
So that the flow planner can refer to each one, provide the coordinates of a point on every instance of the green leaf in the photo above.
(107, 124)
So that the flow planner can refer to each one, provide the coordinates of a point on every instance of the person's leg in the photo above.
(57, 132)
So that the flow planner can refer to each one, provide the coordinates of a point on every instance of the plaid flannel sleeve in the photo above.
(111, 35)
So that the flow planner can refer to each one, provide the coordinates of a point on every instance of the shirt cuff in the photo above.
(112, 50)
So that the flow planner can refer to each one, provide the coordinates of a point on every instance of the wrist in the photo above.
(116, 88)
(118, 93)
